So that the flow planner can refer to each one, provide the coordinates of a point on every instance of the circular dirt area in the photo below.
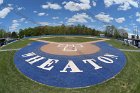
(70, 49)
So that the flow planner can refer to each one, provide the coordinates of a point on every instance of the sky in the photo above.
(20, 14)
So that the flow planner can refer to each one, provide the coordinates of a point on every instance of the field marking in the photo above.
(9, 50)
(79, 45)
(70, 47)
(127, 50)
(101, 40)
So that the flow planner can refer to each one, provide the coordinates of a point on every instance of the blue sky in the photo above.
(92, 13)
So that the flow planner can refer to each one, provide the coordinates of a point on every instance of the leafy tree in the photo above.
(2, 33)
(58, 30)
(14, 35)
(112, 31)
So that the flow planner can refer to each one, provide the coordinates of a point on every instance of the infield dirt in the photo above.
(70, 48)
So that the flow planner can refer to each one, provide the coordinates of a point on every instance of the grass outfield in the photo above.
(120, 45)
(18, 44)
(70, 39)
(12, 81)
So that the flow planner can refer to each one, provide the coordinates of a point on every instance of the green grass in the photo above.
(18, 44)
(120, 45)
(70, 39)
(12, 81)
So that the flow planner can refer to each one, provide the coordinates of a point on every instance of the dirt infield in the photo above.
(70, 49)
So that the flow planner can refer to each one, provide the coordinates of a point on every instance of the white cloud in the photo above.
(55, 18)
(79, 18)
(138, 15)
(120, 20)
(43, 23)
(124, 7)
(22, 19)
(49, 5)
(41, 14)
(16, 24)
(94, 3)
(132, 24)
(35, 11)
(85, 1)
(1, 2)
(138, 20)
(4, 12)
(125, 28)
(17, 7)
(64, 2)
(20, 8)
(73, 6)
(104, 17)
(10, 5)
(14, 21)
(47, 14)
(123, 4)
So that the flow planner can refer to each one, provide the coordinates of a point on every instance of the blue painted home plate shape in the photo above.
(69, 65)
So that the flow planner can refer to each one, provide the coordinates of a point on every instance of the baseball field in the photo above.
(13, 81)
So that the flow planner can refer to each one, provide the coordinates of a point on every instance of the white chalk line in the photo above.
(67, 48)
(127, 50)
(9, 50)
(90, 42)
(70, 47)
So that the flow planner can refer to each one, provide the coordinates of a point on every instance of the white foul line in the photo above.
(9, 50)
(127, 50)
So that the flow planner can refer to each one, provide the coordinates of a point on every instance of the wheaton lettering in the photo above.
(49, 64)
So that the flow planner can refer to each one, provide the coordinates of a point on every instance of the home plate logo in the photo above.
(69, 65)
(70, 47)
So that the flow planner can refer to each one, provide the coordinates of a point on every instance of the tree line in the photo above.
(110, 31)
(58, 30)
(5, 34)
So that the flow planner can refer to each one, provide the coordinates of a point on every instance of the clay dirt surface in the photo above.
(70, 48)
